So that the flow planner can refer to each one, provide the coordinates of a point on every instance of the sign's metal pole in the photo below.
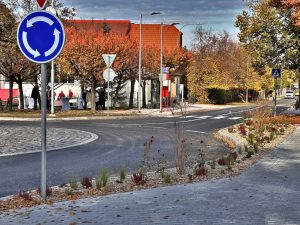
(275, 99)
(43, 129)
(108, 89)
(52, 88)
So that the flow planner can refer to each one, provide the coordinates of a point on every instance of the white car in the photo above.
(289, 94)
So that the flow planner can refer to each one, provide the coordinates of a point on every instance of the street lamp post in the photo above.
(140, 65)
(161, 67)
(140, 58)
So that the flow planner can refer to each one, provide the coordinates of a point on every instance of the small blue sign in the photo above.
(166, 70)
(276, 73)
(41, 36)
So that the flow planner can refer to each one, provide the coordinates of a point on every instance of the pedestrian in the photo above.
(35, 94)
(102, 99)
(70, 95)
(97, 100)
(61, 95)
(84, 95)
(1, 105)
(48, 92)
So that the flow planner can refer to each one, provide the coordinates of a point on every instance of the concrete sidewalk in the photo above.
(267, 193)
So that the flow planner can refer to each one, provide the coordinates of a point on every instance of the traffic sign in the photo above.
(166, 70)
(276, 73)
(109, 59)
(109, 75)
(41, 3)
(41, 36)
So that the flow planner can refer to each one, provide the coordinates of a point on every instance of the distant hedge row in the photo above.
(221, 96)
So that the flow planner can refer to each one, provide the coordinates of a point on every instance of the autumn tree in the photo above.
(13, 65)
(269, 34)
(22, 7)
(218, 63)
(82, 58)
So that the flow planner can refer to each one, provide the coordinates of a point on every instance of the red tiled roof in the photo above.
(150, 32)
(151, 35)
(116, 26)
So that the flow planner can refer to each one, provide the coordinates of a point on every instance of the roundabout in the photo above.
(20, 140)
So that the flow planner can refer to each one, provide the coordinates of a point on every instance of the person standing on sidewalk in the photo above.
(35, 94)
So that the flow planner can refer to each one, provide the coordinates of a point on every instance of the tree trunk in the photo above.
(117, 90)
(152, 91)
(132, 83)
(93, 88)
(144, 94)
(21, 97)
(10, 99)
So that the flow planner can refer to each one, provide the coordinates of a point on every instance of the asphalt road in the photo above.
(120, 142)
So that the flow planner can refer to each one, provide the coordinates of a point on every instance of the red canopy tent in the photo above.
(4, 94)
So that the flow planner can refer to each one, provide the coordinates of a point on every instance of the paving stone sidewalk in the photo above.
(267, 193)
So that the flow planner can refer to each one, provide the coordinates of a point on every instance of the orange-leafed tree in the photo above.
(82, 58)
(288, 4)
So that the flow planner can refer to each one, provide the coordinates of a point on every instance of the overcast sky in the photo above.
(218, 15)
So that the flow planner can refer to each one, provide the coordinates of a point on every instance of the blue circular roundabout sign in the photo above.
(41, 36)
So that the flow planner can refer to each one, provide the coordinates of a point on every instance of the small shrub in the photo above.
(255, 147)
(240, 150)
(212, 164)
(98, 183)
(145, 163)
(123, 173)
(48, 191)
(249, 153)
(222, 161)
(68, 191)
(281, 131)
(25, 195)
(266, 139)
(165, 176)
(159, 160)
(229, 162)
(234, 155)
(272, 136)
(249, 123)
(104, 177)
(139, 178)
(242, 130)
(190, 177)
(86, 182)
(250, 139)
(73, 181)
(231, 130)
(101, 179)
(200, 171)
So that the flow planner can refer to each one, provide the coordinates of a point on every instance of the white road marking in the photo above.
(219, 117)
(203, 117)
(195, 131)
(235, 118)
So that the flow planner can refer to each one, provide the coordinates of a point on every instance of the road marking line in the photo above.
(219, 117)
(195, 131)
(203, 117)
(164, 128)
(235, 118)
